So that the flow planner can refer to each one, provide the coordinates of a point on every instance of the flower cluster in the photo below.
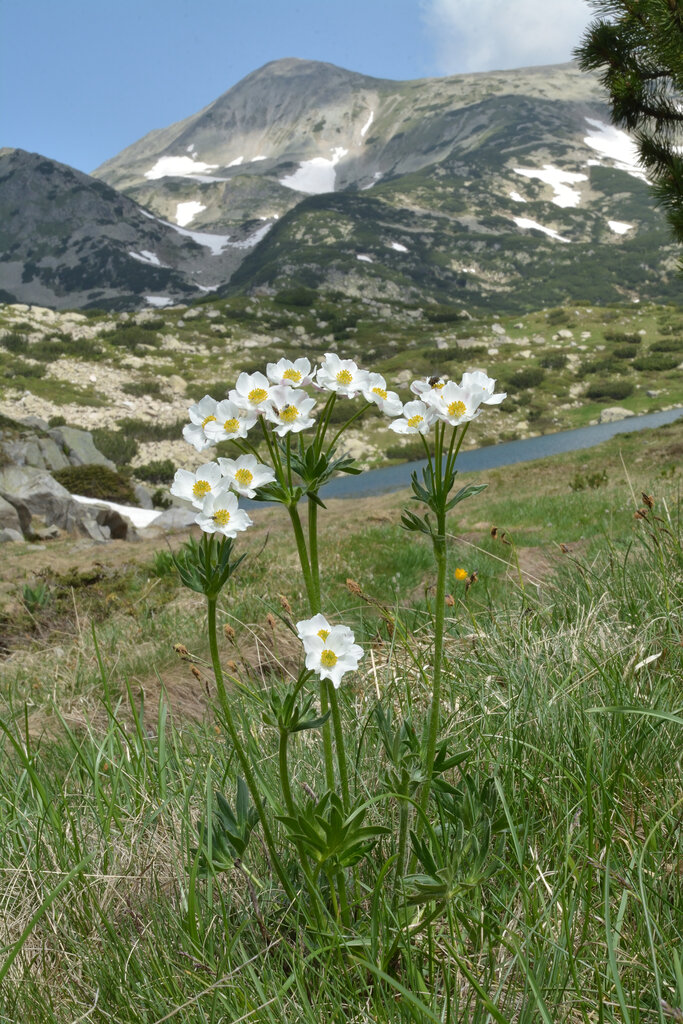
(330, 650)
(213, 487)
(444, 400)
(278, 400)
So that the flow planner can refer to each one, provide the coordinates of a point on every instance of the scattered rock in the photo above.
(48, 532)
(614, 413)
(564, 333)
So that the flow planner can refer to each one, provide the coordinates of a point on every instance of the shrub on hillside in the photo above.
(297, 296)
(553, 360)
(657, 361)
(15, 343)
(115, 445)
(632, 339)
(526, 377)
(96, 482)
(159, 471)
(625, 352)
(616, 389)
(668, 345)
(131, 335)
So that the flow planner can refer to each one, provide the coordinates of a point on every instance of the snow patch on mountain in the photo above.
(517, 198)
(375, 178)
(398, 247)
(317, 175)
(525, 222)
(558, 180)
(158, 300)
(145, 256)
(252, 240)
(236, 162)
(186, 212)
(366, 126)
(619, 227)
(615, 145)
(178, 167)
(364, 258)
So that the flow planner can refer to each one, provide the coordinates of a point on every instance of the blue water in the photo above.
(393, 478)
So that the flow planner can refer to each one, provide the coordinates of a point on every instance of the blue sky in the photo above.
(82, 79)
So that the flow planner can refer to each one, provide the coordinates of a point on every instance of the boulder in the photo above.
(52, 454)
(9, 517)
(40, 492)
(22, 510)
(176, 519)
(142, 496)
(35, 421)
(8, 536)
(614, 413)
(80, 447)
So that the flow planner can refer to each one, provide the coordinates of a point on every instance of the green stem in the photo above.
(323, 423)
(301, 548)
(346, 425)
(440, 555)
(341, 750)
(239, 750)
(315, 602)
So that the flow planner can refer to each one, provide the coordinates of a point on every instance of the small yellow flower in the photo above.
(461, 574)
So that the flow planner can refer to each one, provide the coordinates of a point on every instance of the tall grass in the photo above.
(566, 698)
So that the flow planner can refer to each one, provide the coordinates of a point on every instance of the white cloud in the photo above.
(486, 35)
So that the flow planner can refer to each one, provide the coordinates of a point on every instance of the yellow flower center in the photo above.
(201, 488)
(209, 419)
(257, 395)
(289, 413)
(415, 420)
(344, 377)
(292, 375)
(230, 426)
(328, 659)
(380, 391)
(323, 634)
(457, 408)
(221, 516)
(461, 574)
(244, 477)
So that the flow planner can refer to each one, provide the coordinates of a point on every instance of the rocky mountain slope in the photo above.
(504, 189)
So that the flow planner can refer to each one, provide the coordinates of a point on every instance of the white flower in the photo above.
(251, 391)
(230, 421)
(478, 380)
(221, 514)
(289, 409)
(246, 474)
(453, 404)
(340, 375)
(334, 655)
(317, 628)
(375, 391)
(417, 419)
(296, 374)
(426, 384)
(201, 414)
(194, 487)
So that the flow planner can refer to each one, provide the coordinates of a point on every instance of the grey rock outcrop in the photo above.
(80, 447)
